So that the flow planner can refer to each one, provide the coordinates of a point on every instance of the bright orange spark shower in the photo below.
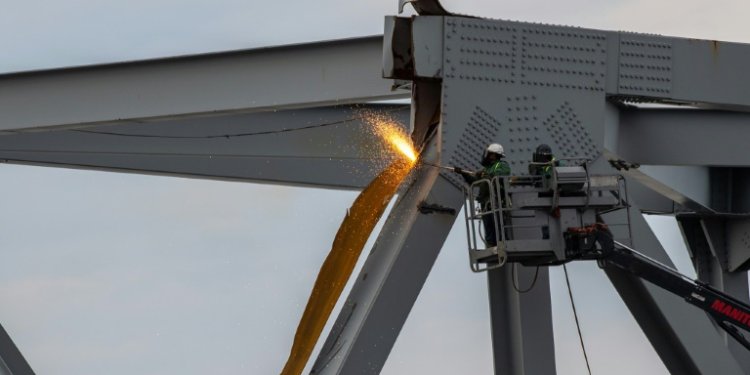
(395, 136)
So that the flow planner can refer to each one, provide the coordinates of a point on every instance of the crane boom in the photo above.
(728, 312)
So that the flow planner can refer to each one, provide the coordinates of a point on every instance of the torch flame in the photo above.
(395, 136)
(403, 145)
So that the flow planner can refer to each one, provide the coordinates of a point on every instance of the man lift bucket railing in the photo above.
(528, 214)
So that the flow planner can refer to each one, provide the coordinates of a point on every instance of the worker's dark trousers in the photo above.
(490, 236)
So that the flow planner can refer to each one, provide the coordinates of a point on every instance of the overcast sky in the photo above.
(106, 273)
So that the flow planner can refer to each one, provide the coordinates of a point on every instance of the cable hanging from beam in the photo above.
(236, 135)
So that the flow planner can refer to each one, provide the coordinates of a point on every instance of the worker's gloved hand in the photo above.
(458, 170)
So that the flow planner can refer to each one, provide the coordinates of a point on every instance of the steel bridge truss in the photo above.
(472, 81)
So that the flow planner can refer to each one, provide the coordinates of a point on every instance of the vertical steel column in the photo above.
(522, 337)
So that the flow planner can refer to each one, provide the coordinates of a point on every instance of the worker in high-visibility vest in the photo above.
(494, 165)
(543, 154)
(543, 164)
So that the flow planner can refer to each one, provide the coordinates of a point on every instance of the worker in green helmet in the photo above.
(494, 165)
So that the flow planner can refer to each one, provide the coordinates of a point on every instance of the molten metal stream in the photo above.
(347, 246)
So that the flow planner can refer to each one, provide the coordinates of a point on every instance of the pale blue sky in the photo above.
(107, 273)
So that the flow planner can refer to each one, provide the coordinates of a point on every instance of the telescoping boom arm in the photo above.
(729, 313)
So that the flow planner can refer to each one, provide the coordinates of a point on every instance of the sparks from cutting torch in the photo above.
(393, 134)
(398, 140)
(389, 130)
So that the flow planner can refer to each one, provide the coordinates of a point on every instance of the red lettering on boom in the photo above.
(736, 314)
(727, 310)
(717, 305)
(730, 312)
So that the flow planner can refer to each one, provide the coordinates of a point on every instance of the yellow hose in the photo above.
(338, 266)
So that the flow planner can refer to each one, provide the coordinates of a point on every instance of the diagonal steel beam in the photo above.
(12, 361)
(330, 73)
(392, 277)
(706, 240)
(331, 147)
(684, 337)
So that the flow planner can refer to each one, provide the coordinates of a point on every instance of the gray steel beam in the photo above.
(649, 200)
(692, 182)
(722, 189)
(295, 76)
(684, 137)
(740, 200)
(686, 187)
(323, 147)
(652, 202)
(738, 243)
(679, 70)
(12, 361)
(622, 64)
(392, 277)
(730, 193)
